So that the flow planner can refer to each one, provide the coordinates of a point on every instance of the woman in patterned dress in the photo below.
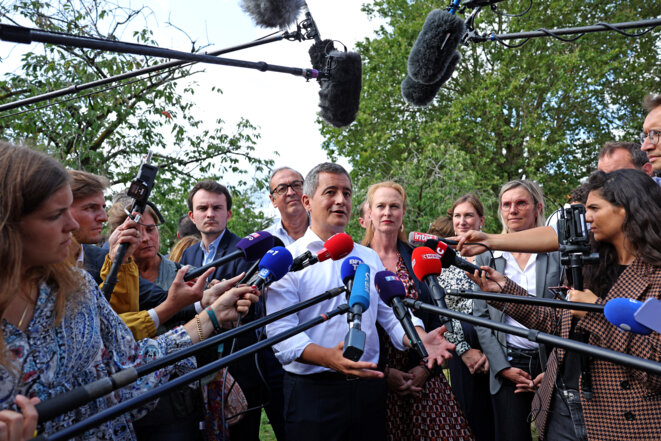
(420, 404)
(469, 369)
(58, 331)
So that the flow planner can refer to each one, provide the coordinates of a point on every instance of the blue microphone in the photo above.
(620, 312)
(348, 271)
(359, 302)
(273, 266)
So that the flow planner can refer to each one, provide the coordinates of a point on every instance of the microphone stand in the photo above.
(472, 36)
(291, 36)
(553, 303)
(68, 401)
(542, 337)
(20, 34)
(215, 366)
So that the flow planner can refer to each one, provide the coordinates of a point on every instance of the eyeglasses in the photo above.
(654, 136)
(520, 205)
(281, 189)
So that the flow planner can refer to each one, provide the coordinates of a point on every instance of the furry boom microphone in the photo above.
(339, 97)
(273, 13)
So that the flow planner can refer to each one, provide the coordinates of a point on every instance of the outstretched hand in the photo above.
(471, 236)
(18, 426)
(494, 283)
(438, 348)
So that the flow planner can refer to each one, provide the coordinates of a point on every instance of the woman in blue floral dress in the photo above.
(58, 331)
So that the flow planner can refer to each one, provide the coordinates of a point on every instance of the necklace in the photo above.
(25, 311)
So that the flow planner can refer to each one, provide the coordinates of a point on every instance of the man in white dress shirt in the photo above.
(328, 397)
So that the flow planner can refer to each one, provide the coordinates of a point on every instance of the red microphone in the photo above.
(427, 267)
(336, 247)
(449, 257)
(416, 239)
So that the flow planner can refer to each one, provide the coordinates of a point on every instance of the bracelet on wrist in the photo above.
(423, 363)
(199, 327)
(214, 319)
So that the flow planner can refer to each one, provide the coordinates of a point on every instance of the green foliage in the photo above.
(109, 132)
(540, 111)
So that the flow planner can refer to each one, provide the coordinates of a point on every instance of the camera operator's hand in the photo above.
(128, 233)
(181, 294)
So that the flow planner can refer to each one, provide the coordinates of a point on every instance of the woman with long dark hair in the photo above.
(588, 398)
(58, 331)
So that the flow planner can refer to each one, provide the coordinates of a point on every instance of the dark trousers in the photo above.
(511, 411)
(275, 407)
(565, 421)
(328, 407)
(472, 391)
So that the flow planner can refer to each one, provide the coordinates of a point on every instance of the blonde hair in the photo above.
(117, 215)
(28, 178)
(179, 247)
(369, 232)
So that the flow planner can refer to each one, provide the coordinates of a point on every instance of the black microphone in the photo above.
(420, 94)
(392, 290)
(359, 301)
(435, 46)
(341, 82)
(273, 13)
(449, 257)
(319, 53)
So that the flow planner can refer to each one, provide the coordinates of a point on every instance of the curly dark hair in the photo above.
(640, 197)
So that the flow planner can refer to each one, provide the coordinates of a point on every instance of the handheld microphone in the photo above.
(435, 46)
(427, 267)
(250, 272)
(251, 247)
(420, 94)
(359, 301)
(621, 313)
(392, 290)
(273, 13)
(339, 97)
(273, 266)
(336, 247)
(417, 239)
(348, 270)
(449, 257)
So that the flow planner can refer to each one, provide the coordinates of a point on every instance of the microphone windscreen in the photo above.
(273, 13)
(348, 269)
(319, 53)
(339, 97)
(360, 293)
(276, 262)
(339, 245)
(620, 312)
(389, 286)
(255, 245)
(277, 242)
(435, 46)
(425, 263)
(419, 94)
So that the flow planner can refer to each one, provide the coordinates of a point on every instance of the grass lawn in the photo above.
(265, 430)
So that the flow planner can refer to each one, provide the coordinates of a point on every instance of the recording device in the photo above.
(417, 239)
(251, 247)
(392, 291)
(633, 315)
(420, 94)
(359, 302)
(574, 241)
(348, 270)
(449, 256)
(427, 267)
(341, 82)
(336, 247)
(433, 58)
(273, 13)
(273, 266)
(139, 190)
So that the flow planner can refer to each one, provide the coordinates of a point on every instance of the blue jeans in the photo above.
(565, 421)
